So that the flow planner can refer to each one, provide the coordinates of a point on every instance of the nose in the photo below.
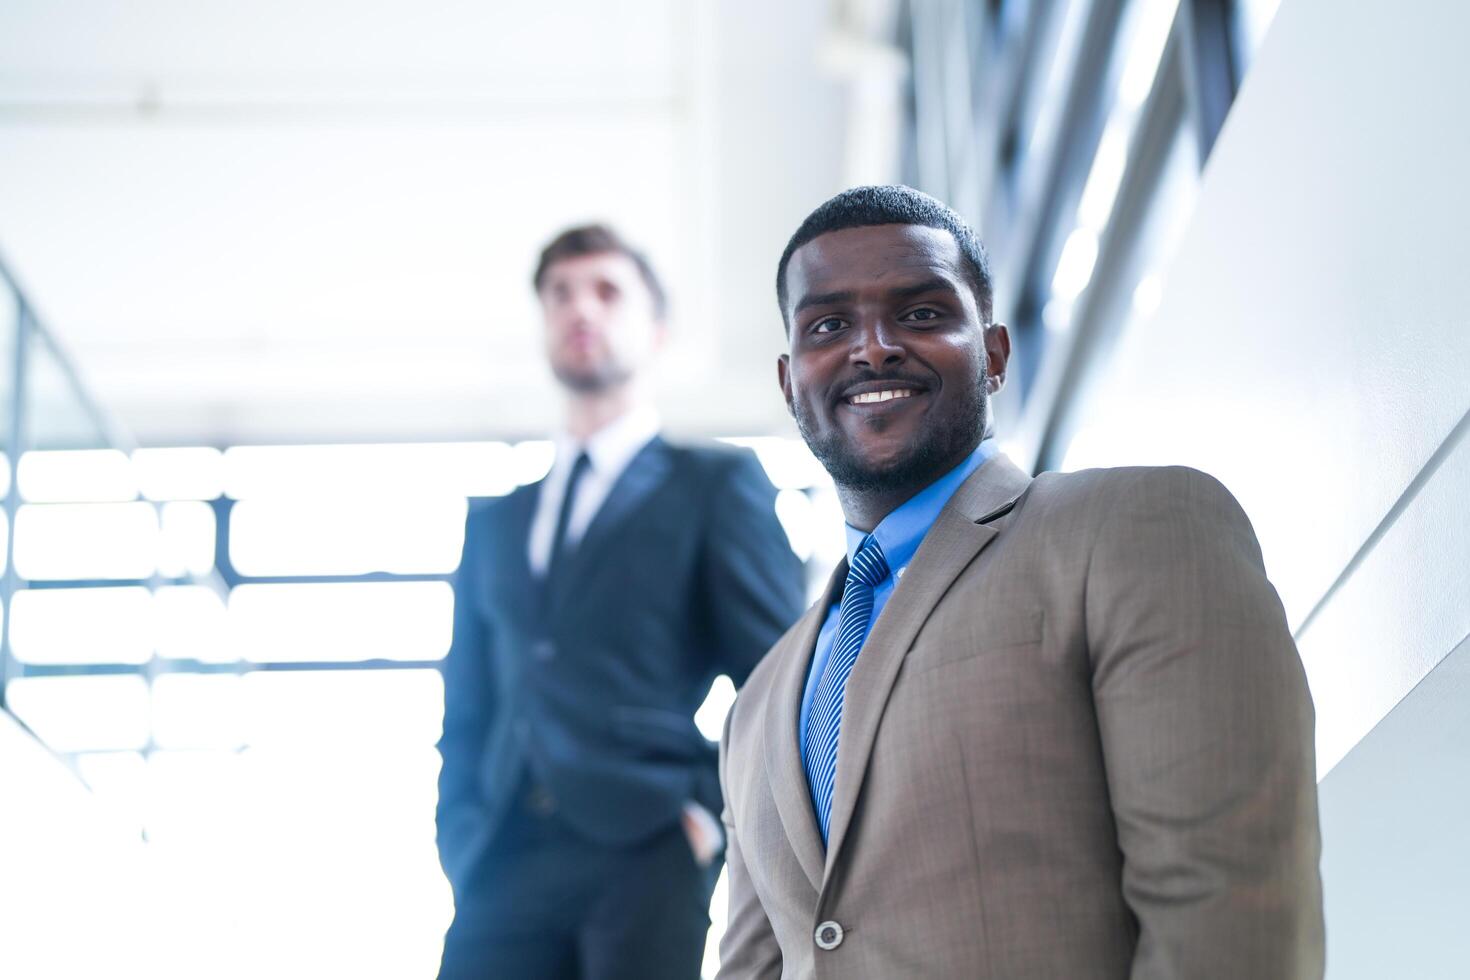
(584, 309)
(876, 344)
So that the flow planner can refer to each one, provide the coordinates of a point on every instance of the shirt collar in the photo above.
(902, 531)
(612, 447)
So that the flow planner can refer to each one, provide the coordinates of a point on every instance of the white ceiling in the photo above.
(315, 220)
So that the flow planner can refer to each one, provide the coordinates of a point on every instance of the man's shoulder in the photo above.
(487, 510)
(1130, 501)
(710, 455)
(1133, 485)
(709, 467)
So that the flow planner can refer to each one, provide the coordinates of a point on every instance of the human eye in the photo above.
(924, 315)
(830, 324)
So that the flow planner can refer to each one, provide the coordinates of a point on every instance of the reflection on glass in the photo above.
(343, 621)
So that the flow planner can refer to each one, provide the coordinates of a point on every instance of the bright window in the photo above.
(86, 541)
(471, 469)
(355, 709)
(194, 711)
(186, 538)
(342, 621)
(186, 473)
(83, 626)
(347, 536)
(72, 714)
(77, 476)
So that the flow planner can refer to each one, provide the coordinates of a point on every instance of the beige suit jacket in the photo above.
(1078, 743)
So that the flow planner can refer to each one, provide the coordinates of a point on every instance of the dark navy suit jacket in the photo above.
(591, 681)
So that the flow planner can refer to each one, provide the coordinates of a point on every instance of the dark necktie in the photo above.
(564, 515)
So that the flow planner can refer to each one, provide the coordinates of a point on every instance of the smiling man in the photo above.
(1051, 727)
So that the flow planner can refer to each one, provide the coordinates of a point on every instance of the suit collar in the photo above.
(611, 448)
(782, 742)
(644, 473)
(957, 537)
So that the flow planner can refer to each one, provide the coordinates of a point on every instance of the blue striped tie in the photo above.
(824, 723)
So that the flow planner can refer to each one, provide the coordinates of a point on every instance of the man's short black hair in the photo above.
(595, 240)
(891, 204)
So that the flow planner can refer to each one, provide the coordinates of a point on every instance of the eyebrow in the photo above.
(934, 284)
(823, 299)
(927, 286)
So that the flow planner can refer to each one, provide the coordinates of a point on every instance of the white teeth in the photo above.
(872, 397)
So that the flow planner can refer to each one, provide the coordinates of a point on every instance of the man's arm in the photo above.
(468, 698)
(753, 587)
(749, 950)
(1207, 733)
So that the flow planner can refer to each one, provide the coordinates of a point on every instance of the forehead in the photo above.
(614, 266)
(877, 255)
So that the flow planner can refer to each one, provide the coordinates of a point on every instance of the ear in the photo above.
(997, 356)
(783, 375)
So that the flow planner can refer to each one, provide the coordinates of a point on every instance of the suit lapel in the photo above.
(644, 474)
(509, 544)
(948, 548)
(782, 743)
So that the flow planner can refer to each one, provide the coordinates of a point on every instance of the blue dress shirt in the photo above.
(899, 535)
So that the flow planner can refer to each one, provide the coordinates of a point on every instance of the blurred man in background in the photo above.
(592, 610)
(1036, 728)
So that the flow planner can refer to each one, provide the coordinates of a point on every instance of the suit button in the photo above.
(829, 935)
(543, 650)
(541, 802)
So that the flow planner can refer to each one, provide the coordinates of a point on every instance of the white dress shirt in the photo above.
(609, 452)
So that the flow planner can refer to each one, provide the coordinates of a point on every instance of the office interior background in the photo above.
(266, 326)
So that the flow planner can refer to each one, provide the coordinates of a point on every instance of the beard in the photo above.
(592, 380)
(939, 447)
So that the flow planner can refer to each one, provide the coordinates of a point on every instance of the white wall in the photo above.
(1312, 350)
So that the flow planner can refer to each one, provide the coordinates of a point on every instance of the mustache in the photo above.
(866, 375)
